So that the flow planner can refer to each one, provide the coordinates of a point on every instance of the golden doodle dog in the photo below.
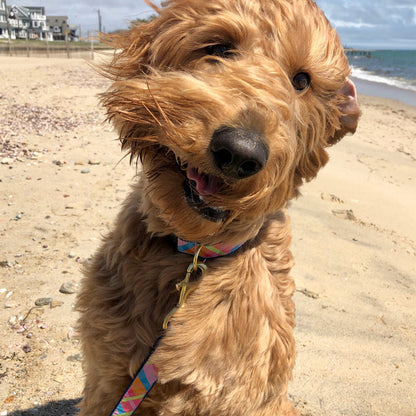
(229, 106)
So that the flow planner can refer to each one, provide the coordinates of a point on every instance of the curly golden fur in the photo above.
(269, 74)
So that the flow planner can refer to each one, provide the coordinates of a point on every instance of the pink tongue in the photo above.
(205, 184)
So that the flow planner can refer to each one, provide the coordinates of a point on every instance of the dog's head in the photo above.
(230, 106)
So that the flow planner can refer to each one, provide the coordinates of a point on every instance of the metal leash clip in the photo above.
(186, 286)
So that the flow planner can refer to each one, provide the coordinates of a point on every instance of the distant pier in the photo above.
(357, 52)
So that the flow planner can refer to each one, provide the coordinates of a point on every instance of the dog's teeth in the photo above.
(182, 165)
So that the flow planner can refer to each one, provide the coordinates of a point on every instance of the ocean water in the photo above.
(390, 67)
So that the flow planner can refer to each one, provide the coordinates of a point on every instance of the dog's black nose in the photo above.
(238, 153)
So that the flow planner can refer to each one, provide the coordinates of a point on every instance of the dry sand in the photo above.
(354, 243)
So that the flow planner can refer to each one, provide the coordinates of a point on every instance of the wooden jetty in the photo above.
(357, 52)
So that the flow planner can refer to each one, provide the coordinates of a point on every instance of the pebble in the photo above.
(13, 320)
(56, 304)
(43, 301)
(10, 399)
(18, 217)
(94, 162)
(68, 288)
(20, 329)
(74, 358)
(26, 348)
(6, 161)
(72, 255)
(85, 171)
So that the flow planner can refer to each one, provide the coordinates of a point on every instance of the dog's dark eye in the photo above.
(220, 50)
(301, 81)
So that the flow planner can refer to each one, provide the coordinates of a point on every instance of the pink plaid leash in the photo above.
(138, 389)
(146, 376)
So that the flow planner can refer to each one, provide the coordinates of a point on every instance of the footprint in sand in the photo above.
(346, 214)
(331, 198)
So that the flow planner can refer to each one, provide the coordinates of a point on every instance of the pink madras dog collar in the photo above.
(146, 377)
(207, 252)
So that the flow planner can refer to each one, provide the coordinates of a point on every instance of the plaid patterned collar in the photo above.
(207, 252)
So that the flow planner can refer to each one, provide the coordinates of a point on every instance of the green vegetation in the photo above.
(146, 20)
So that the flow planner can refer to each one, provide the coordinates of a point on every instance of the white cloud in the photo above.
(352, 25)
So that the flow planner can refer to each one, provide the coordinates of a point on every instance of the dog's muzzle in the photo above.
(238, 153)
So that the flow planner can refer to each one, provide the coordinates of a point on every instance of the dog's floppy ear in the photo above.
(350, 112)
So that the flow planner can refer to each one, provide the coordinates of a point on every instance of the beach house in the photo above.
(20, 22)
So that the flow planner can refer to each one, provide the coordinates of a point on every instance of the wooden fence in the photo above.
(83, 50)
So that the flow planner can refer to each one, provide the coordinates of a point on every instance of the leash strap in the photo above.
(138, 389)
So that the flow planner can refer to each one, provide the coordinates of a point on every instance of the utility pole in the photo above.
(9, 34)
(99, 22)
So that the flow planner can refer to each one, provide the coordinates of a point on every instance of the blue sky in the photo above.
(374, 24)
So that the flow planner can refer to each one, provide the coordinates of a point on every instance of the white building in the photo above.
(23, 22)
(3, 20)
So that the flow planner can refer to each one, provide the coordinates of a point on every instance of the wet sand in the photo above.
(376, 89)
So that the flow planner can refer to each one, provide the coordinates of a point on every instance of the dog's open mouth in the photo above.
(198, 185)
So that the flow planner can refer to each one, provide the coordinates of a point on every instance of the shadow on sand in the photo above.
(61, 408)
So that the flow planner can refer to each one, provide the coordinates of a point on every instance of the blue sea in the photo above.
(386, 73)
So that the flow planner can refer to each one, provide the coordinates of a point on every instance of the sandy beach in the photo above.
(62, 180)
